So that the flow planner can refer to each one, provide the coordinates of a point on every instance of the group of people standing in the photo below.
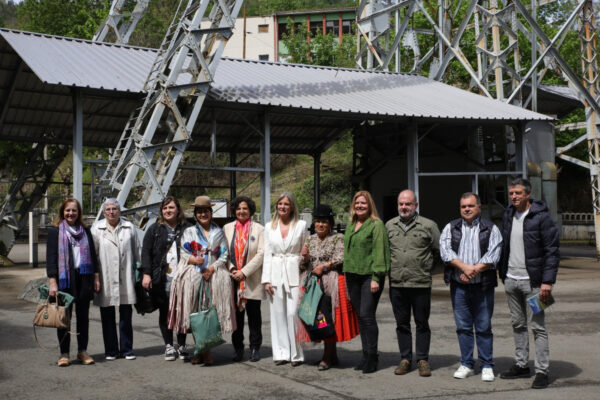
(245, 263)
(524, 254)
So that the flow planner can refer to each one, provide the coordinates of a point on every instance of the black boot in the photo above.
(371, 364)
(363, 361)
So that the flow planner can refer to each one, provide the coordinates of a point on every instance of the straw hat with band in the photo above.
(202, 202)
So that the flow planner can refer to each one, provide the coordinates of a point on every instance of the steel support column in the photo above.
(589, 64)
(412, 159)
(232, 176)
(77, 145)
(521, 150)
(265, 176)
(317, 179)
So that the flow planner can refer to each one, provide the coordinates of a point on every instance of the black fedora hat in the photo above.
(323, 211)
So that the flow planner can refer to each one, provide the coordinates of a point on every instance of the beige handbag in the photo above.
(51, 315)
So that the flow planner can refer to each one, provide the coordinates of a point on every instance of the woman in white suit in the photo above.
(284, 237)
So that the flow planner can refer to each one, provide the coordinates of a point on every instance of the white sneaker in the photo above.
(184, 354)
(463, 371)
(487, 374)
(170, 353)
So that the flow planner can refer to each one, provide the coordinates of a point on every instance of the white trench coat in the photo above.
(117, 256)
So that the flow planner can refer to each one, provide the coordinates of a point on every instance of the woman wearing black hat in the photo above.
(323, 255)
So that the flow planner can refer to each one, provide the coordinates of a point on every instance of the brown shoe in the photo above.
(63, 360)
(403, 368)
(197, 359)
(424, 369)
(207, 359)
(85, 358)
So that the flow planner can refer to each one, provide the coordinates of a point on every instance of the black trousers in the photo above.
(82, 286)
(82, 311)
(109, 330)
(365, 303)
(254, 323)
(167, 334)
(419, 301)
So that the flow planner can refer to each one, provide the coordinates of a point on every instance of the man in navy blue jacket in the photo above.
(528, 266)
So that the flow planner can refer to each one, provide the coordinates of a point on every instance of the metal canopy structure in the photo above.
(498, 68)
(302, 108)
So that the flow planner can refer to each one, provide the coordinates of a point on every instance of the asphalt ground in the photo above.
(28, 371)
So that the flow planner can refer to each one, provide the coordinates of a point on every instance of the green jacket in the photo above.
(366, 251)
(414, 250)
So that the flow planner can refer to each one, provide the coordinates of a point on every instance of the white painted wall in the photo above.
(256, 43)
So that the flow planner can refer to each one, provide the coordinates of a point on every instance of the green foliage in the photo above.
(267, 7)
(73, 18)
(336, 174)
(336, 190)
(152, 27)
(13, 156)
(562, 138)
(8, 14)
(322, 49)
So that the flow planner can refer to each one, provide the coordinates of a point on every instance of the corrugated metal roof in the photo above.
(76, 62)
(354, 93)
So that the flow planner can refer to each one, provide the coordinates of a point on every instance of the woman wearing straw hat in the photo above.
(204, 256)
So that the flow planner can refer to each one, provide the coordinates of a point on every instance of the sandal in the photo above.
(323, 366)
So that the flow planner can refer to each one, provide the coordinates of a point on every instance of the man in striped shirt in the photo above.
(470, 247)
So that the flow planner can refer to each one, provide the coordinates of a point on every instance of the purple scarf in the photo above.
(67, 238)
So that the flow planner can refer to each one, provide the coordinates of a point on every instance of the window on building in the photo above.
(281, 29)
(346, 26)
(332, 27)
(316, 27)
(263, 28)
(263, 57)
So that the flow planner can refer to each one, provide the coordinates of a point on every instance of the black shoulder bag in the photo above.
(323, 326)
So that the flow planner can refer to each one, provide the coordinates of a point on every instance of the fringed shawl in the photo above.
(186, 282)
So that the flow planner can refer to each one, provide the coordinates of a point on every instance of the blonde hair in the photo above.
(293, 211)
(372, 209)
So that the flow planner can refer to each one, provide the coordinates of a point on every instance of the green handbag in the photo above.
(309, 305)
(205, 322)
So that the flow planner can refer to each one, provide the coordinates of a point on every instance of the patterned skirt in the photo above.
(346, 320)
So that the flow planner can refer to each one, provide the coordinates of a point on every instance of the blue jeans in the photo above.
(473, 307)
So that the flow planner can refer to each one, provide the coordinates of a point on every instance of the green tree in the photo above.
(8, 14)
(73, 18)
(322, 49)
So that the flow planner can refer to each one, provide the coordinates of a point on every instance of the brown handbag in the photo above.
(51, 315)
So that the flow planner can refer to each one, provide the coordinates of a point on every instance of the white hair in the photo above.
(112, 200)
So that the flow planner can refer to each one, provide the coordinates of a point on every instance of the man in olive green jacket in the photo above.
(414, 248)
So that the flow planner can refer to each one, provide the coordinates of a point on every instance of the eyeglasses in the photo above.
(203, 211)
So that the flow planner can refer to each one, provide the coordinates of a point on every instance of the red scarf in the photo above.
(242, 231)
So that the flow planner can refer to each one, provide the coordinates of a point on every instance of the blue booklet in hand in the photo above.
(537, 305)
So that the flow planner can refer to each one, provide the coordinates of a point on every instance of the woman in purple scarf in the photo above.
(72, 268)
